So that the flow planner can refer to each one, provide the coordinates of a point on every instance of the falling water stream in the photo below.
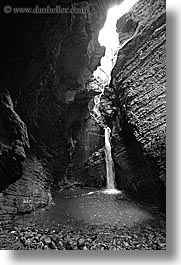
(103, 73)
(109, 162)
(110, 173)
(86, 207)
(108, 206)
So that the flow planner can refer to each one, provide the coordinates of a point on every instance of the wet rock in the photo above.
(52, 245)
(15, 141)
(38, 236)
(126, 244)
(60, 245)
(12, 123)
(68, 245)
(137, 237)
(45, 247)
(47, 241)
(81, 241)
(26, 235)
(51, 96)
(139, 125)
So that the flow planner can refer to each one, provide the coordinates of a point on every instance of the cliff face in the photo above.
(14, 134)
(138, 88)
(47, 60)
(48, 134)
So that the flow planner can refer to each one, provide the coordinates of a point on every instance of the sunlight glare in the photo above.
(109, 38)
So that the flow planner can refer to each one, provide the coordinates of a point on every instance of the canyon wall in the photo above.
(46, 61)
(49, 137)
(138, 86)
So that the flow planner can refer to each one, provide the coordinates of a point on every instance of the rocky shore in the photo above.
(150, 235)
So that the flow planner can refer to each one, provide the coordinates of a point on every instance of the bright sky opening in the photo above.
(109, 38)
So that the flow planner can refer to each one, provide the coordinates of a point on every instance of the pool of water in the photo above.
(92, 208)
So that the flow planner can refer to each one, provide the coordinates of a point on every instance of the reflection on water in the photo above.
(94, 208)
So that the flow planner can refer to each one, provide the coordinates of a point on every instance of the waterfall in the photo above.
(109, 162)
(109, 38)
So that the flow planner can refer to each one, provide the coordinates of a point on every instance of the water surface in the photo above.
(92, 208)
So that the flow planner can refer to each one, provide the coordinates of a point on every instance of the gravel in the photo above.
(86, 237)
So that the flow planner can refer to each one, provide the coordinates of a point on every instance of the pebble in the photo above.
(85, 238)
(60, 245)
(45, 247)
(47, 240)
(53, 245)
(81, 241)
(13, 232)
(126, 244)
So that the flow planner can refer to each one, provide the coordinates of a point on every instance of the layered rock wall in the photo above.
(138, 88)
(47, 122)
(46, 61)
(30, 192)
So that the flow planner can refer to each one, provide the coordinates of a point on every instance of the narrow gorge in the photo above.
(83, 124)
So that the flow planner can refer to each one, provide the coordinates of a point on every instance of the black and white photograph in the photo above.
(83, 125)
